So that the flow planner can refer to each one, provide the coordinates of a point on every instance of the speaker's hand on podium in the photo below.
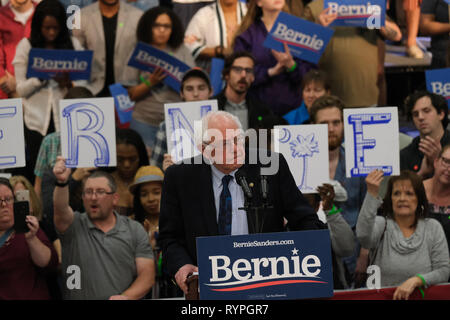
(182, 274)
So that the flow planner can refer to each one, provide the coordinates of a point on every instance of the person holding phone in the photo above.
(23, 255)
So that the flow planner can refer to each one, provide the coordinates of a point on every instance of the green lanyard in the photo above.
(5, 236)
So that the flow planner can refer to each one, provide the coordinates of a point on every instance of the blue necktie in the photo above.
(225, 207)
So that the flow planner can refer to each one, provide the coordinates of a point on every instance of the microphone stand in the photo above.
(256, 212)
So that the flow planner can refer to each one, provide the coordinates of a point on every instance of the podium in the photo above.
(263, 266)
(192, 283)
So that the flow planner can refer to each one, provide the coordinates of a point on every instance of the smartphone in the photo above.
(21, 211)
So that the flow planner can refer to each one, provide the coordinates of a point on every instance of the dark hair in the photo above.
(52, 8)
(437, 101)
(317, 76)
(5, 182)
(326, 101)
(417, 184)
(144, 28)
(103, 174)
(78, 92)
(129, 136)
(138, 209)
(444, 148)
(229, 60)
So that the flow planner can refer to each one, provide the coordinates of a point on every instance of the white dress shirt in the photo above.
(239, 217)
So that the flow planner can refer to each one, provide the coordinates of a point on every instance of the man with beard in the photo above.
(329, 110)
(105, 255)
(238, 72)
(108, 27)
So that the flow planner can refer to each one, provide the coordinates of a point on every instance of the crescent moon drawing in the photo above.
(286, 136)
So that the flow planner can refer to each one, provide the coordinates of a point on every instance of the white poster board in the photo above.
(305, 148)
(180, 118)
(371, 141)
(12, 139)
(88, 132)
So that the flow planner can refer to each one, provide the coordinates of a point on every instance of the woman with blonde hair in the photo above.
(22, 183)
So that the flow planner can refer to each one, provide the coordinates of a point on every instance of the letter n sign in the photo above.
(371, 141)
(88, 132)
(12, 142)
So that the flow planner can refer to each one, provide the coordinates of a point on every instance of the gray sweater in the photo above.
(399, 258)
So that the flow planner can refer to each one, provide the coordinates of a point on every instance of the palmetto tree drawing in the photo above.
(304, 147)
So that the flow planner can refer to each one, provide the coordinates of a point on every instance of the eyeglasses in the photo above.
(7, 201)
(161, 25)
(240, 69)
(100, 193)
(224, 144)
(445, 162)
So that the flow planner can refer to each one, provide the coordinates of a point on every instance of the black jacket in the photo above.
(188, 208)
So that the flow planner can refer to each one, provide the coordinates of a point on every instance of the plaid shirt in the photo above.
(160, 147)
(50, 148)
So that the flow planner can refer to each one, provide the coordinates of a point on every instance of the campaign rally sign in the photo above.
(371, 141)
(272, 266)
(88, 132)
(215, 75)
(181, 119)
(358, 13)
(12, 140)
(46, 63)
(306, 40)
(124, 106)
(305, 148)
(438, 81)
(146, 57)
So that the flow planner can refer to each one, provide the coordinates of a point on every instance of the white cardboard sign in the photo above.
(12, 139)
(371, 141)
(88, 132)
(180, 118)
(305, 148)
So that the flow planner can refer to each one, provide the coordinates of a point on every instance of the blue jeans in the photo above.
(147, 132)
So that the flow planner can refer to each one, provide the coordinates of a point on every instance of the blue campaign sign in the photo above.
(46, 63)
(438, 81)
(124, 106)
(146, 57)
(358, 13)
(272, 266)
(215, 75)
(306, 40)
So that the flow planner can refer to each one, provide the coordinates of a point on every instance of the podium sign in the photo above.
(266, 266)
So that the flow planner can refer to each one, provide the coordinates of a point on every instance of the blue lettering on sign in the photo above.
(180, 127)
(91, 132)
(360, 144)
(7, 112)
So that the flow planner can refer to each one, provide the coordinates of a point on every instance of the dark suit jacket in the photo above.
(188, 208)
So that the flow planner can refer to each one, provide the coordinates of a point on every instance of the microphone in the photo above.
(264, 187)
(241, 179)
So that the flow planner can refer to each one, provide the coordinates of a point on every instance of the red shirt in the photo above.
(11, 32)
(20, 279)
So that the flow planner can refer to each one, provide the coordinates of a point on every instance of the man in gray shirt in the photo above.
(104, 255)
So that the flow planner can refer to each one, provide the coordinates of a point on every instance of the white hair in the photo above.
(201, 135)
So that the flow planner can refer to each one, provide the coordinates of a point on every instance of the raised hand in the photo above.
(60, 170)
(373, 181)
